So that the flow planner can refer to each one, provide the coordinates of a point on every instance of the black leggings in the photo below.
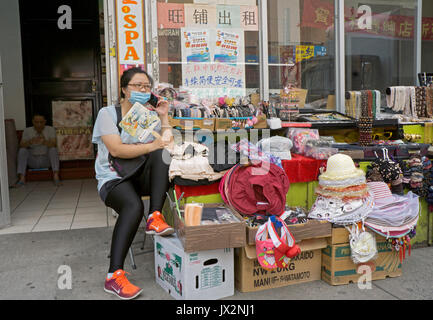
(125, 199)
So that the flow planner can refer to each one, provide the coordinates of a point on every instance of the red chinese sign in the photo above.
(319, 14)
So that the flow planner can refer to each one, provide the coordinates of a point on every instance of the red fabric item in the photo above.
(195, 191)
(302, 169)
(258, 188)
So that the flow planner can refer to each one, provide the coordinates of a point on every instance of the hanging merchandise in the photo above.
(342, 194)
(384, 169)
(274, 250)
(362, 245)
(354, 105)
(402, 244)
(413, 102)
(259, 188)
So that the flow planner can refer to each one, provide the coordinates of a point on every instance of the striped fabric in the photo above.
(380, 191)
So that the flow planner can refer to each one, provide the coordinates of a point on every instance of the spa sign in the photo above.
(130, 32)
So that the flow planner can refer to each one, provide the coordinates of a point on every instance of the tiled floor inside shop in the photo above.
(41, 206)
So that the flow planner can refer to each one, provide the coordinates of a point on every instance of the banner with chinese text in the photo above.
(178, 15)
(207, 80)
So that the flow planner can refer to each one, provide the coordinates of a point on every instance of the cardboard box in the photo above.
(192, 124)
(338, 267)
(250, 276)
(200, 275)
(310, 230)
(339, 235)
(214, 236)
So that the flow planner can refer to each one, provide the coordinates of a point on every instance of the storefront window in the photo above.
(427, 38)
(207, 49)
(380, 44)
(301, 51)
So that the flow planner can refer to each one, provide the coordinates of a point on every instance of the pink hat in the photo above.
(382, 193)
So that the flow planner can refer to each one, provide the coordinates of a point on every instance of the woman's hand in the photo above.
(162, 108)
(158, 143)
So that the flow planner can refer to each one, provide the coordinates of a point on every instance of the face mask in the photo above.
(140, 97)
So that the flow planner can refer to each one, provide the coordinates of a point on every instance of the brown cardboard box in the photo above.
(339, 235)
(191, 124)
(309, 230)
(338, 267)
(209, 237)
(250, 276)
(262, 122)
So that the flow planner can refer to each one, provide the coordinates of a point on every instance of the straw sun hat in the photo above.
(339, 167)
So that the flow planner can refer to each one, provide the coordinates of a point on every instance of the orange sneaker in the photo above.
(156, 225)
(120, 286)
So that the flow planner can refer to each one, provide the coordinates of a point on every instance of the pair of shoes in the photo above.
(57, 182)
(156, 225)
(120, 286)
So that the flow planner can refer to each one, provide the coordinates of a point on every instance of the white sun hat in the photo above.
(340, 167)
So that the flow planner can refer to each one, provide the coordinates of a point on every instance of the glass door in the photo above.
(4, 189)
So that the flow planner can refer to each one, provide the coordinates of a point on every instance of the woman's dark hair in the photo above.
(128, 75)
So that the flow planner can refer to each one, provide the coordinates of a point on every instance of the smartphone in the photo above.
(153, 101)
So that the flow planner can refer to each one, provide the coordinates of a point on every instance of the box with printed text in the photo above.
(203, 275)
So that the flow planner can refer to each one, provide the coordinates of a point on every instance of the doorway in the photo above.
(62, 60)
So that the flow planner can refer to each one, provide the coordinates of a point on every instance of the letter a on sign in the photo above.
(364, 21)
(65, 20)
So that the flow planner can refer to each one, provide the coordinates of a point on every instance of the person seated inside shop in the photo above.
(38, 150)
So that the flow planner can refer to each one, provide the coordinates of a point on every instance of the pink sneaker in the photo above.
(120, 286)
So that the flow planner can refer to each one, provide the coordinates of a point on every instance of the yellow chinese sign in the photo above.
(304, 53)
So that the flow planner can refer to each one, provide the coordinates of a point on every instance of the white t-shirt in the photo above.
(49, 133)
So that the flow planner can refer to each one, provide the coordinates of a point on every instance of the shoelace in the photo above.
(122, 281)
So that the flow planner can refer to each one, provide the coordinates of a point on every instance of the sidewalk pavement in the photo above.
(29, 270)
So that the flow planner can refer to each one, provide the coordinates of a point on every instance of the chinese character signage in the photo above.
(171, 15)
(304, 53)
(214, 79)
(130, 32)
(320, 15)
(178, 15)
(228, 16)
(200, 16)
(73, 123)
(249, 18)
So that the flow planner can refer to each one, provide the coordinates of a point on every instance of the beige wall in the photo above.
(10, 51)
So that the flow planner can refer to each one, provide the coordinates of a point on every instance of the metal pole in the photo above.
(263, 46)
(339, 56)
(111, 52)
(418, 40)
